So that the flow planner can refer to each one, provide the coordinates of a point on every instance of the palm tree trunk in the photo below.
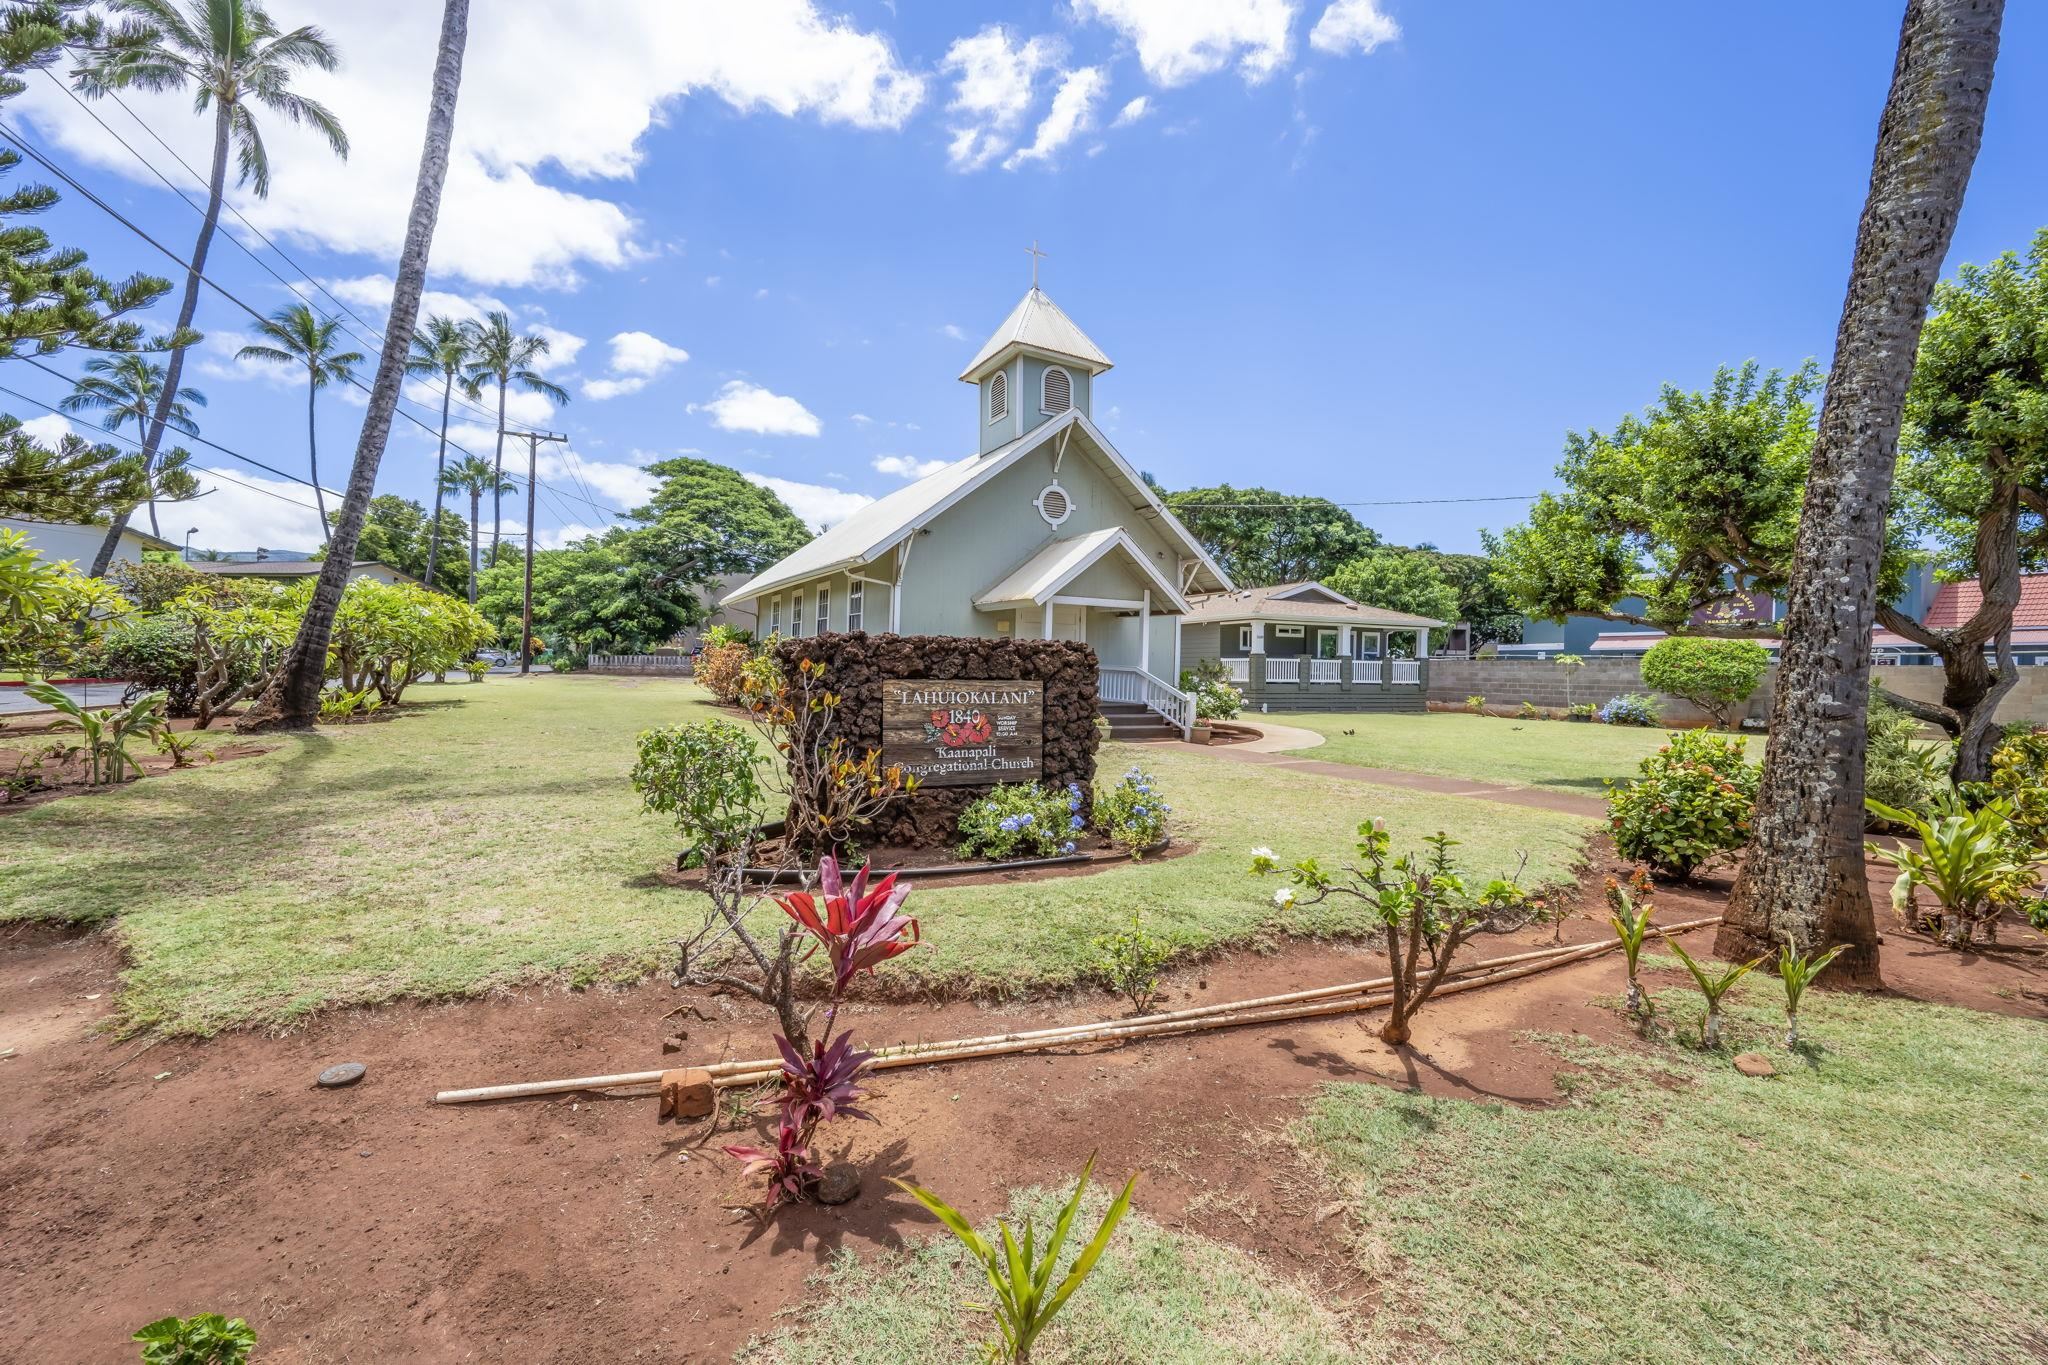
(1804, 875)
(292, 700)
(476, 513)
(526, 609)
(440, 463)
(174, 366)
(313, 457)
(498, 475)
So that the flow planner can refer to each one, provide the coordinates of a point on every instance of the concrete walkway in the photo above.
(1277, 745)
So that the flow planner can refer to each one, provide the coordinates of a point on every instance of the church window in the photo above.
(998, 396)
(1059, 391)
(856, 595)
(796, 616)
(824, 611)
(1053, 504)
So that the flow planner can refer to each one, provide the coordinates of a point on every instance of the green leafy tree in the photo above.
(710, 513)
(473, 474)
(233, 58)
(52, 301)
(1260, 536)
(1973, 487)
(297, 337)
(502, 357)
(396, 532)
(1484, 603)
(439, 348)
(602, 594)
(74, 480)
(128, 390)
(1398, 580)
(1715, 675)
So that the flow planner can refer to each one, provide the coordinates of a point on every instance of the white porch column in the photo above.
(1422, 643)
(1258, 637)
(1048, 616)
(1145, 634)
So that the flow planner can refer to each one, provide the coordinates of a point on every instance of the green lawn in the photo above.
(1559, 755)
(1880, 1200)
(487, 835)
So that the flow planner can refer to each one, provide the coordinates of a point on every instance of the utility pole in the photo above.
(533, 444)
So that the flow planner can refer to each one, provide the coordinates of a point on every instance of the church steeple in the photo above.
(1033, 368)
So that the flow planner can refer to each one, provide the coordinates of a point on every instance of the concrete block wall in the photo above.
(1507, 683)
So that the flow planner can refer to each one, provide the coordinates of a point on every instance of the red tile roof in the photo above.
(1955, 603)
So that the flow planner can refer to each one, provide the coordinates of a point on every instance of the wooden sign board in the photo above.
(965, 732)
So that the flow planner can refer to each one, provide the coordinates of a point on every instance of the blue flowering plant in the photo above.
(1023, 820)
(1132, 814)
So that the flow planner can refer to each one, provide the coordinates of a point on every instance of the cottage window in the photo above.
(1059, 391)
(1244, 638)
(998, 396)
(775, 617)
(856, 594)
(796, 615)
(824, 611)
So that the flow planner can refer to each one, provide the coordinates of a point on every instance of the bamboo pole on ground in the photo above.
(1314, 1002)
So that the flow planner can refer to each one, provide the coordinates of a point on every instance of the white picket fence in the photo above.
(678, 664)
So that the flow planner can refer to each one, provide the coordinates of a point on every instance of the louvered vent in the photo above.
(1053, 504)
(998, 396)
(1059, 391)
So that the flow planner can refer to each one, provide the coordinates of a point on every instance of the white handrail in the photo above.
(1326, 670)
(1170, 704)
(1407, 672)
(679, 662)
(1237, 670)
(1365, 670)
(1283, 670)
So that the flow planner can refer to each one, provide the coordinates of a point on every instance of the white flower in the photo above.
(1284, 897)
(1262, 853)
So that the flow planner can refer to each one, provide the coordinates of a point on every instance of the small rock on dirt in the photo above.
(671, 1044)
(1755, 1064)
(342, 1073)
(840, 1183)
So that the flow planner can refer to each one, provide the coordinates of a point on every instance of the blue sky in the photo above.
(1373, 252)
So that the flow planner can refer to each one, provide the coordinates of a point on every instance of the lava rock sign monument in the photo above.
(965, 732)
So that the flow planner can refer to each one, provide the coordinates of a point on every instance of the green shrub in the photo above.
(1582, 710)
(705, 775)
(721, 670)
(1529, 711)
(1021, 820)
(202, 1339)
(157, 653)
(1131, 814)
(1692, 801)
(1630, 708)
(720, 636)
(1130, 959)
(1715, 675)
(2019, 777)
(1971, 861)
(1900, 769)
(1476, 704)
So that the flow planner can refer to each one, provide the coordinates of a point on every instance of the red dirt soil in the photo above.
(367, 1224)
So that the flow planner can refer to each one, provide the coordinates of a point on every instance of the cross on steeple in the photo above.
(1036, 256)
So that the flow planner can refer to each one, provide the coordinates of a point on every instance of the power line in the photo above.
(41, 159)
(1326, 502)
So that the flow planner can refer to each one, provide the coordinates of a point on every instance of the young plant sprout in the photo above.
(1631, 926)
(1797, 970)
(1021, 1273)
(1713, 987)
(1420, 899)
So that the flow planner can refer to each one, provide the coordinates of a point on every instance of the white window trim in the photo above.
(856, 605)
(1043, 409)
(796, 617)
(1244, 638)
(1282, 632)
(996, 414)
(775, 616)
(824, 619)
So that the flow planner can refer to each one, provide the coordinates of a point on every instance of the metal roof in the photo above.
(1036, 324)
(1055, 565)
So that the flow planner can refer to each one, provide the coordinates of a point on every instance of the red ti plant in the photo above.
(857, 927)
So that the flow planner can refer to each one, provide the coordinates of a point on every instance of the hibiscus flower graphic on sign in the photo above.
(957, 729)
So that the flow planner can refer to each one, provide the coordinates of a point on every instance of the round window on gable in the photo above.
(998, 396)
(1059, 391)
(1053, 504)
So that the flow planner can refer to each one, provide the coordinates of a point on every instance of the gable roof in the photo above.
(287, 568)
(881, 525)
(1059, 563)
(1273, 604)
(1036, 324)
(1955, 603)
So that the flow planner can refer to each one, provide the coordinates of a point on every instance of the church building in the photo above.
(1045, 531)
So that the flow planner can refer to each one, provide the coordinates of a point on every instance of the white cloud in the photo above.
(861, 419)
(814, 503)
(507, 219)
(760, 293)
(1181, 40)
(1072, 106)
(712, 281)
(621, 487)
(637, 358)
(598, 390)
(242, 510)
(993, 91)
(904, 467)
(563, 536)
(1352, 26)
(1132, 112)
(951, 329)
(741, 406)
(49, 429)
(563, 348)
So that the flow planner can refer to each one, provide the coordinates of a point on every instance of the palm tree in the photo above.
(293, 697)
(130, 389)
(1803, 878)
(501, 356)
(441, 347)
(228, 53)
(472, 474)
(304, 339)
